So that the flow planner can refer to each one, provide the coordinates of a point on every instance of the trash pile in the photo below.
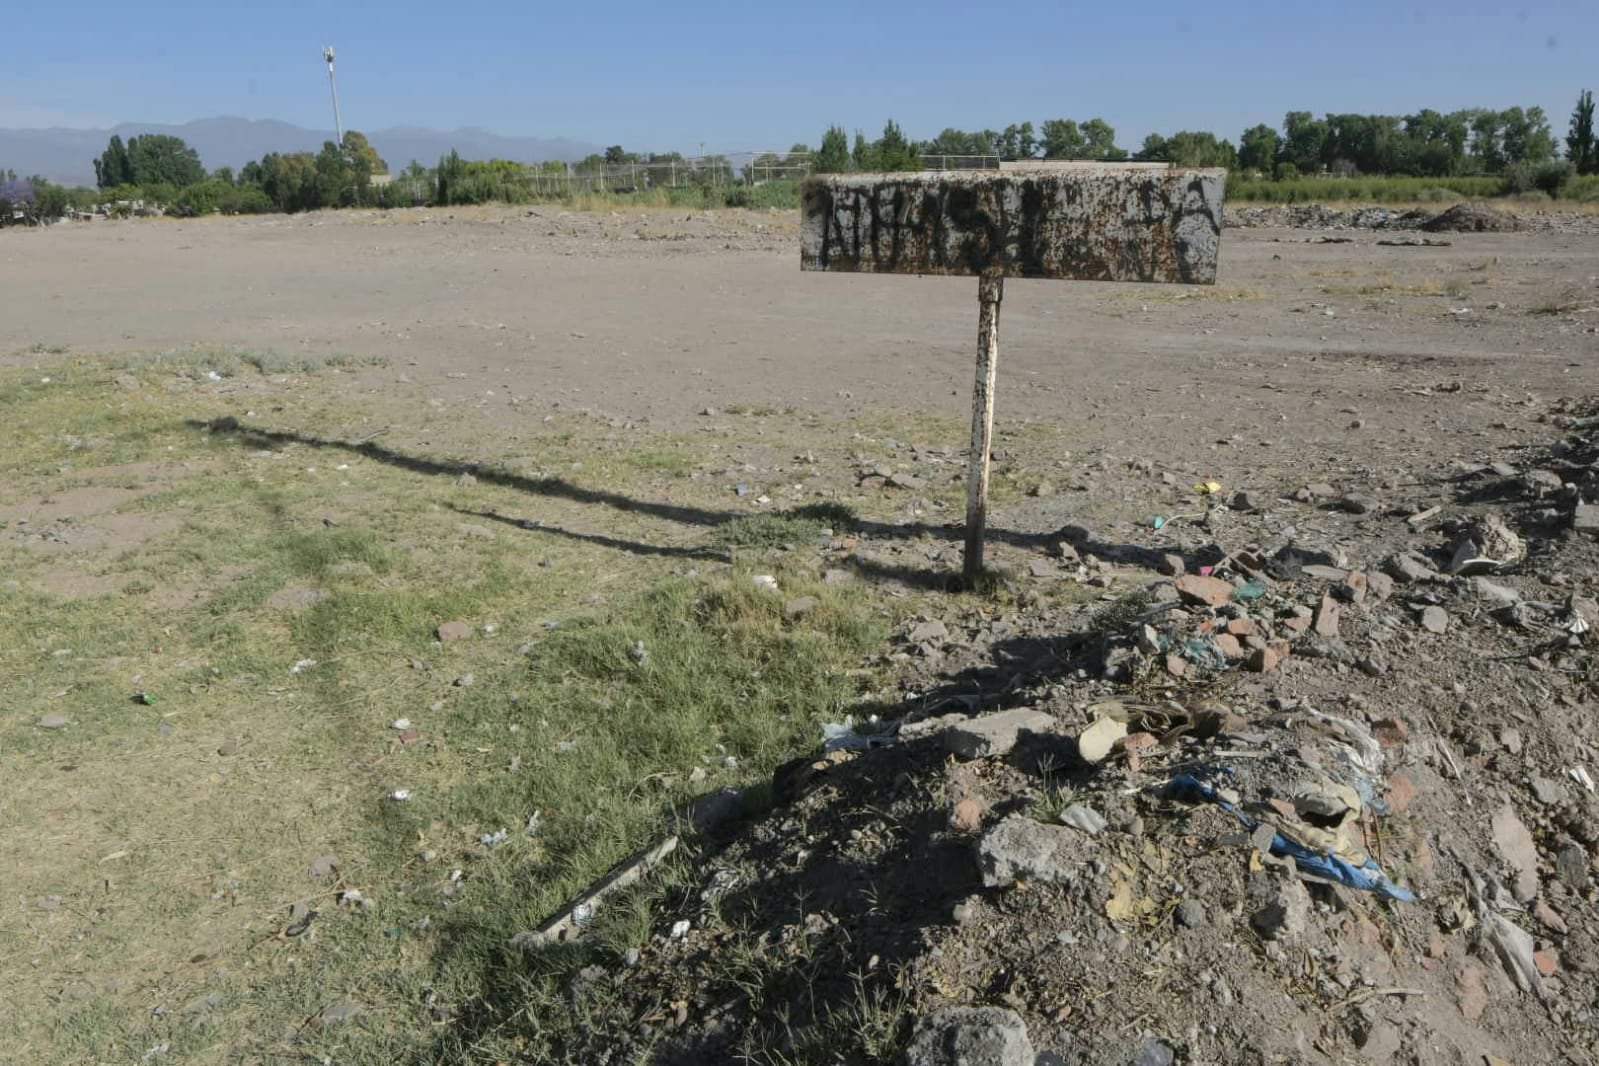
(1473, 218)
(1272, 796)
(1318, 217)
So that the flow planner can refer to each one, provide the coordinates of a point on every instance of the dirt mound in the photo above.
(1319, 797)
(1473, 218)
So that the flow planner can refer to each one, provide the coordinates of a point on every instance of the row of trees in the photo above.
(1426, 144)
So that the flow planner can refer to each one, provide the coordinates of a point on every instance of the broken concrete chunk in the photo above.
(1095, 742)
(1204, 591)
(989, 735)
(970, 1036)
(1020, 848)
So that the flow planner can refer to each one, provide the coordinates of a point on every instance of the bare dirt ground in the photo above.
(656, 316)
(629, 382)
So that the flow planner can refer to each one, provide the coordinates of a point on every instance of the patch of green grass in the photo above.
(797, 526)
(280, 648)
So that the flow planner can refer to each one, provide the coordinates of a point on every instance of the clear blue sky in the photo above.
(658, 76)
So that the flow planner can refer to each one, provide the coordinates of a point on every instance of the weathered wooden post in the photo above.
(1071, 223)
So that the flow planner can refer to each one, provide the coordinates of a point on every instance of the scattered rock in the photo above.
(1408, 568)
(1328, 617)
(1571, 866)
(336, 1013)
(1355, 503)
(1086, 819)
(1435, 620)
(800, 606)
(988, 735)
(1515, 844)
(970, 1036)
(324, 866)
(453, 631)
(933, 632)
(1264, 660)
(1019, 847)
(1472, 992)
(1286, 915)
(1042, 490)
(1585, 518)
(53, 721)
(1244, 501)
(1379, 586)
(1190, 914)
(1390, 732)
(967, 817)
(1204, 591)
(1155, 1053)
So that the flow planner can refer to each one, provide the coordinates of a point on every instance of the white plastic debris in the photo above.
(400, 724)
(494, 839)
(1580, 775)
(302, 666)
(400, 795)
(680, 928)
(766, 581)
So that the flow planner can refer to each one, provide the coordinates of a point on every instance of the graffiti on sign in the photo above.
(1076, 225)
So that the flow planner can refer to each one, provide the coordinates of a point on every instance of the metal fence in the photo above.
(750, 168)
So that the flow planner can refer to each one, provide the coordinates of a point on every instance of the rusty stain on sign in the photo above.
(1078, 224)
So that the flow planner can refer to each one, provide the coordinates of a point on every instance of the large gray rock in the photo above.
(970, 1036)
(995, 734)
(1019, 847)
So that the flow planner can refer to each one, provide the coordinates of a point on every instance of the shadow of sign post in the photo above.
(1070, 223)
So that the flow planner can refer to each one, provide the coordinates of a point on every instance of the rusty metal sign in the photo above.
(1069, 223)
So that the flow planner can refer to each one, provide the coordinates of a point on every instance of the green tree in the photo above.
(113, 168)
(961, 143)
(833, 156)
(1304, 138)
(1154, 149)
(893, 152)
(1018, 142)
(1063, 139)
(1101, 138)
(860, 156)
(1258, 147)
(1527, 136)
(161, 159)
(1487, 151)
(1581, 148)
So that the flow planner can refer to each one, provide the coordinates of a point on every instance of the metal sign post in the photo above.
(1069, 223)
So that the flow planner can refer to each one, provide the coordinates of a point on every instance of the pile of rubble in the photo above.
(1318, 217)
(1473, 218)
(1269, 798)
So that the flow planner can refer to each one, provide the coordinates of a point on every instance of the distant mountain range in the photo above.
(67, 156)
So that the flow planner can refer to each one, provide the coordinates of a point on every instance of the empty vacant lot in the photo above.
(250, 468)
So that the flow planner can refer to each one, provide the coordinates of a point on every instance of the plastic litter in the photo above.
(1207, 488)
(841, 736)
(1250, 590)
(1367, 876)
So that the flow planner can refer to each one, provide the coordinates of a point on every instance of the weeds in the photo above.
(776, 529)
